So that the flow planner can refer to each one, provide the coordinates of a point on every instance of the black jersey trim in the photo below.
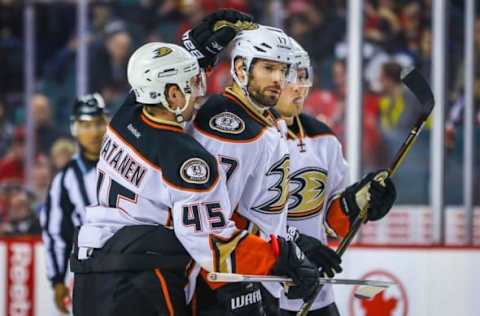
(312, 127)
(165, 149)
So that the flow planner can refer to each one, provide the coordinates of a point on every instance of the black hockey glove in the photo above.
(206, 40)
(321, 255)
(376, 191)
(293, 263)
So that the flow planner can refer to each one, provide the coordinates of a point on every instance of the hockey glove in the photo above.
(207, 39)
(318, 253)
(376, 192)
(293, 263)
(382, 197)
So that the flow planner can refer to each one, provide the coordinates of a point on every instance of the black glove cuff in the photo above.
(205, 59)
(349, 205)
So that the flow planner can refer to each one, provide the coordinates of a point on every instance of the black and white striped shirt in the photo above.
(72, 189)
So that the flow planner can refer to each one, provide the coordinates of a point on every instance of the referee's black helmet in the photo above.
(87, 107)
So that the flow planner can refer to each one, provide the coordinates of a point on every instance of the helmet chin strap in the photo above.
(179, 111)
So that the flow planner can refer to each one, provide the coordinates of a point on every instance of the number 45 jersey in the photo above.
(152, 173)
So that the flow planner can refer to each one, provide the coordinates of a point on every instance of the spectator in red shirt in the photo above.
(12, 165)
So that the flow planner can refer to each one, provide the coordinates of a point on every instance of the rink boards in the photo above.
(432, 280)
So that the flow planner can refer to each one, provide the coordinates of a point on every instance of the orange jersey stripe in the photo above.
(166, 294)
(172, 128)
(337, 219)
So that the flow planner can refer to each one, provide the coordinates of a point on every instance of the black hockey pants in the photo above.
(148, 293)
(229, 300)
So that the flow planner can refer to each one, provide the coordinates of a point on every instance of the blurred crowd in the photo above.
(397, 35)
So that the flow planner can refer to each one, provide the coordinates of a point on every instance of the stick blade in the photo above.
(368, 292)
(417, 84)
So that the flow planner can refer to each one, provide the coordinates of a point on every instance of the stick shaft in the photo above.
(232, 277)
(420, 88)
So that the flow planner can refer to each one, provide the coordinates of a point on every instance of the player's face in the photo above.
(266, 82)
(293, 96)
(198, 89)
(90, 134)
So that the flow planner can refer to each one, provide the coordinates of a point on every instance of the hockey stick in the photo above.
(420, 88)
(367, 288)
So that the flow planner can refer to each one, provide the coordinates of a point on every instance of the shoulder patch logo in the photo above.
(195, 170)
(227, 122)
(162, 51)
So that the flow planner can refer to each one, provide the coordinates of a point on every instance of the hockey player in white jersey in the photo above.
(239, 128)
(162, 201)
(320, 199)
(72, 189)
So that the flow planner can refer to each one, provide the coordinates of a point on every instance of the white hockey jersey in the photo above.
(152, 173)
(251, 146)
(318, 173)
(254, 154)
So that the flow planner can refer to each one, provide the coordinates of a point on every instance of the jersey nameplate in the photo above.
(195, 170)
(227, 122)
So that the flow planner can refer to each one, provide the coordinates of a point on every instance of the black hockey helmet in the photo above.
(87, 107)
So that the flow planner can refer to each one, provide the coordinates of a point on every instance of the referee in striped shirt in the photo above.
(72, 189)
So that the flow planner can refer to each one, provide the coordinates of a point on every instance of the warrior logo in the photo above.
(246, 299)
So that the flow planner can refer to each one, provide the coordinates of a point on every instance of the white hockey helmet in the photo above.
(155, 65)
(303, 67)
(264, 42)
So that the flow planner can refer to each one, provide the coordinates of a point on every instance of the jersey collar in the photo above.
(156, 122)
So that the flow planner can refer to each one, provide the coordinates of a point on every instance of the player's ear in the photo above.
(174, 95)
(240, 68)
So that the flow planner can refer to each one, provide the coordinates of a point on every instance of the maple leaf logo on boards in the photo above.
(379, 305)
(391, 302)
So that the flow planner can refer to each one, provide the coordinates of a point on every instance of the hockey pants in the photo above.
(146, 293)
